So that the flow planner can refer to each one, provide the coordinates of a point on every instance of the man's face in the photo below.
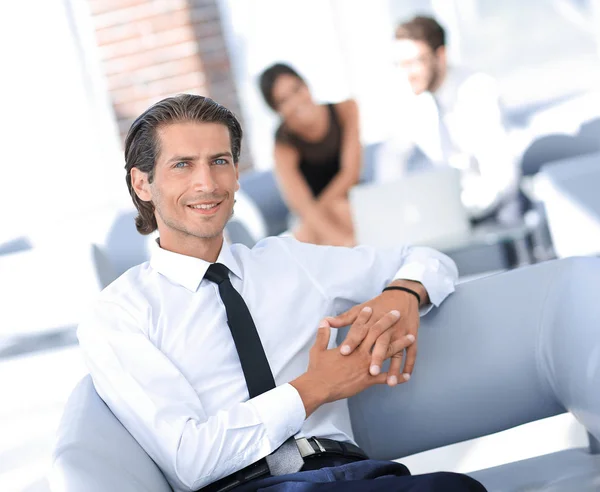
(194, 184)
(422, 66)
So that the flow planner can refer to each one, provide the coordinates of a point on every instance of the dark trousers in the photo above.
(346, 474)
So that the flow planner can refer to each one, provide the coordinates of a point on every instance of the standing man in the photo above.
(453, 118)
(209, 354)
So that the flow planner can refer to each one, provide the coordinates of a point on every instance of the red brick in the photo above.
(154, 72)
(137, 12)
(147, 58)
(147, 42)
(157, 88)
(98, 7)
(175, 18)
(153, 24)
(116, 33)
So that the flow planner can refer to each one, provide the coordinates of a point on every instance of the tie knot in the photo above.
(217, 273)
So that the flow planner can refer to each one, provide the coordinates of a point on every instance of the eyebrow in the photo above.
(180, 158)
(221, 154)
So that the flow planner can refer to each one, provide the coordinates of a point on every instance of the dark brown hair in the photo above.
(270, 76)
(425, 29)
(142, 145)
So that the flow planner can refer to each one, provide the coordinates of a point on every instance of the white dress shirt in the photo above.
(461, 125)
(161, 355)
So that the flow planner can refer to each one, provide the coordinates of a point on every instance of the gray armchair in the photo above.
(502, 351)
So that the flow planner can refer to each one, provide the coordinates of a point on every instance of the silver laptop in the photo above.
(422, 209)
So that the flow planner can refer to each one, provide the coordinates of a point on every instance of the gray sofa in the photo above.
(502, 351)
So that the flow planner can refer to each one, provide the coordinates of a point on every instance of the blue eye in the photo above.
(221, 162)
(181, 165)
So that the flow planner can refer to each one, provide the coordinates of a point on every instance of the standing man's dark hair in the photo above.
(142, 145)
(425, 29)
(268, 78)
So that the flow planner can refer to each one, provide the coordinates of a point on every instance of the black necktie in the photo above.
(259, 378)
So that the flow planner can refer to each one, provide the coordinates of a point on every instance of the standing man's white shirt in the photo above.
(475, 142)
(161, 354)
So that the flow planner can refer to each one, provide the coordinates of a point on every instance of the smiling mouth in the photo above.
(205, 208)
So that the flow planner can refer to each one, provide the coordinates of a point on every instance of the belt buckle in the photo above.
(306, 449)
(319, 445)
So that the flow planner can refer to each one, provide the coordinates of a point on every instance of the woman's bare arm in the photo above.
(350, 155)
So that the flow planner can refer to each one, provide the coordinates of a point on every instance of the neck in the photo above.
(206, 249)
(437, 82)
(316, 127)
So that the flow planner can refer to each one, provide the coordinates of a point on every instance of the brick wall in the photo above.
(151, 49)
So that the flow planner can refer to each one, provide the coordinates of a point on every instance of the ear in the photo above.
(440, 53)
(237, 177)
(140, 184)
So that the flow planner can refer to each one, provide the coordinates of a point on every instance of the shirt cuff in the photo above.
(437, 284)
(281, 411)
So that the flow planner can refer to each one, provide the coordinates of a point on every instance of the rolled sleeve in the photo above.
(435, 271)
(281, 411)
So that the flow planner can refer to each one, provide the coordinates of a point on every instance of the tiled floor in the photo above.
(34, 388)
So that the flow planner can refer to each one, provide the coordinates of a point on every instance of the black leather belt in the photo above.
(307, 446)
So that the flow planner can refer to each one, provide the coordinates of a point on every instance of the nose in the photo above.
(203, 179)
(412, 69)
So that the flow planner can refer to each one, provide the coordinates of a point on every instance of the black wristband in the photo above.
(404, 289)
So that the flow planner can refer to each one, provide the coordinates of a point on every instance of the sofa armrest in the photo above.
(502, 351)
(95, 453)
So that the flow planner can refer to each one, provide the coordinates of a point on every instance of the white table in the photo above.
(570, 191)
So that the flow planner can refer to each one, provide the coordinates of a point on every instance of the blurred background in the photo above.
(76, 73)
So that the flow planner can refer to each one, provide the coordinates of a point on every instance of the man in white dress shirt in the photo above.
(453, 117)
(161, 353)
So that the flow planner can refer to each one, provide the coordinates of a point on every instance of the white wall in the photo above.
(365, 33)
(60, 153)
(299, 32)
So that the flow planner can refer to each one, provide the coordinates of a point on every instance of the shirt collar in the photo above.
(188, 271)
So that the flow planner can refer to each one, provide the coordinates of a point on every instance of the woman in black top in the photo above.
(317, 156)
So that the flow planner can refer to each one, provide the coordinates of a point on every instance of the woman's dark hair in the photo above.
(425, 29)
(142, 145)
(270, 76)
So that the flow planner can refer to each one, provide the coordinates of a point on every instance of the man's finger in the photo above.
(398, 346)
(383, 325)
(344, 319)
(386, 349)
(380, 352)
(322, 340)
(411, 358)
(358, 331)
(393, 374)
(379, 379)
